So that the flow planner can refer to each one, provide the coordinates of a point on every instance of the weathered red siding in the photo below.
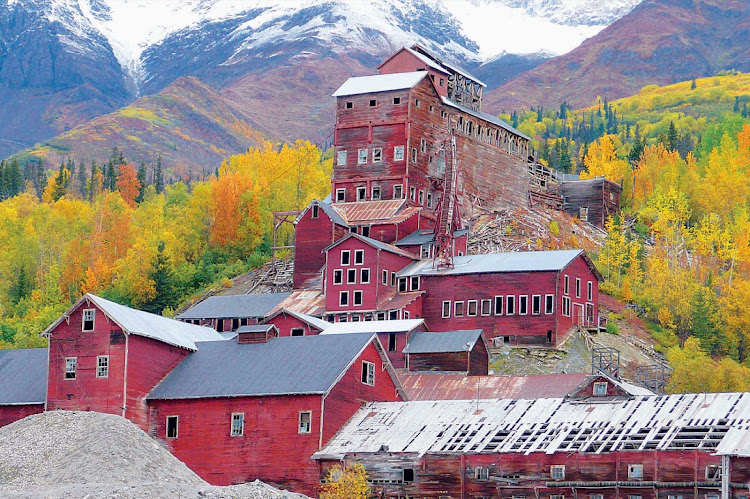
(12, 413)
(285, 323)
(311, 236)
(405, 62)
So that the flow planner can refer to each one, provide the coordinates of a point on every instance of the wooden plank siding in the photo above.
(599, 197)
(12, 413)
(312, 234)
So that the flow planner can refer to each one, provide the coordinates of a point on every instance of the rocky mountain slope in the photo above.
(659, 42)
(63, 62)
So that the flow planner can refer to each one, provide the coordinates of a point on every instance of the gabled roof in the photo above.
(379, 83)
(363, 212)
(24, 376)
(394, 326)
(455, 69)
(374, 243)
(445, 342)
(524, 261)
(319, 324)
(424, 236)
(255, 328)
(230, 306)
(282, 366)
(549, 426)
(304, 301)
(140, 323)
(430, 62)
(324, 205)
(484, 116)
(449, 386)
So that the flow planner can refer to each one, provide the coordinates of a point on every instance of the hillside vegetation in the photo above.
(148, 246)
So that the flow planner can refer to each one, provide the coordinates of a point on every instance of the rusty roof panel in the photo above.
(309, 302)
(369, 211)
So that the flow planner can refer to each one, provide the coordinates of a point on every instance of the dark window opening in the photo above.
(235, 324)
(397, 100)
(373, 102)
(315, 211)
(408, 475)
(349, 105)
(549, 336)
(298, 331)
(392, 342)
(172, 426)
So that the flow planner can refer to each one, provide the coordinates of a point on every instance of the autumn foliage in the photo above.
(346, 483)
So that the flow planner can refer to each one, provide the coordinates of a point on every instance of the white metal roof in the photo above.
(526, 261)
(392, 326)
(145, 324)
(379, 83)
(668, 422)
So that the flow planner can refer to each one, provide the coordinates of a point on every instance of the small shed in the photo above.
(451, 351)
(257, 333)
(229, 312)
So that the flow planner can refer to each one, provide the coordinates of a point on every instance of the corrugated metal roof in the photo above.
(398, 301)
(234, 306)
(325, 205)
(444, 342)
(369, 211)
(735, 443)
(669, 422)
(527, 261)
(449, 65)
(305, 301)
(392, 326)
(24, 376)
(308, 319)
(439, 386)
(374, 243)
(379, 83)
(282, 366)
(424, 236)
(484, 116)
(255, 328)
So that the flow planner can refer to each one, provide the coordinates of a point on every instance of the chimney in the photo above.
(257, 333)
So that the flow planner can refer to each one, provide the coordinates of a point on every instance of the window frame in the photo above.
(488, 303)
(357, 293)
(449, 304)
(337, 273)
(361, 193)
(400, 189)
(510, 304)
(377, 154)
(351, 276)
(362, 156)
(523, 301)
(341, 195)
(632, 474)
(349, 105)
(501, 300)
(341, 158)
(67, 368)
(456, 305)
(566, 285)
(99, 366)
(595, 391)
(566, 306)
(367, 373)
(384, 277)
(373, 103)
(398, 153)
(590, 291)
(232, 429)
(469, 305)
(578, 287)
(414, 283)
(482, 473)
(359, 257)
(414, 155)
(301, 429)
(296, 329)
(375, 193)
(364, 276)
(549, 299)
(557, 472)
(84, 320)
(348, 254)
(176, 419)
(343, 298)
(536, 304)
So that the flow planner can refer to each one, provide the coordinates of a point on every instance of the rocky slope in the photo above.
(659, 42)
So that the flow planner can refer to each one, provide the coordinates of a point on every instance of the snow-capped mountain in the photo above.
(85, 57)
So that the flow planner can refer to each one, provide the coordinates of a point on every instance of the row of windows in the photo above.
(351, 276)
(356, 298)
(364, 155)
(503, 305)
(589, 288)
(237, 424)
(390, 315)
(635, 472)
(346, 257)
(488, 135)
(420, 196)
(102, 367)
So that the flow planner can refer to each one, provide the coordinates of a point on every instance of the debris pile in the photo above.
(88, 454)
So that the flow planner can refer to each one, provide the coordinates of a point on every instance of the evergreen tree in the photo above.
(40, 178)
(693, 84)
(159, 177)
(110, 175)
(82, 180)
(636, 152)
(539, 115)
(672, 137)
(162, 274)
(736, 104)
(22, 286)
(15, 178)
(707, 325)
(142, 179)
(565, 163)
(62, 182)
(564, 111)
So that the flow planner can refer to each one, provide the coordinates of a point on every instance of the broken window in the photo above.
(385, 277)
(102, 366)
(340, 195)
(71, 363)
(482, 473)
(376, 193)
(361, 193)
(88, 319)
(635, 471)
(362, 157)
(423, 145)
(413, 154)
(583, 214)
(408, 475)
(713, 473)
(368, 373)
(458, 309)
(392, 342)
(412, 193)
(305, 422)
(377, 154)
(398, 192)
(172, 426)
(238, 424)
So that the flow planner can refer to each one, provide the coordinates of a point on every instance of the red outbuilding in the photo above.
(24, 383)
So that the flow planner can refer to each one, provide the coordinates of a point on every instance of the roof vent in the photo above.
(257, 333)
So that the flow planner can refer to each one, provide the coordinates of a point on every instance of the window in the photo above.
(536, 304)
(557, 496)
(408, 475)
(357, 298)
(102, 366)
(341, 158)
(376, 193)
(238, 424)
(566, 285)
(523, 305)
(398, 192)
(566, 306)
(635, 496)
(424, 251)
(499, 305)
(70, 367)
(392, 342)
(349, 105)
(421, 197)
(600, 388)
(361, 193)
(338, 276)
(298, 331)
(412, 193)
(343, 298)
(359, 257)
(549, 304)
(713, 473)
(635, 471)
(402, 284)
(481, 473)
(340, 195)
(417, 103)
(471, 308)
(486, 307)
(429, 200)
(393, 279)
(351, 276)
(510, 305)
(377, 154)
(364, 276)
(578, 288)
(385, 277)
(398, 153)
(315, 211)
(596, 496)
(673, 496)
(414, 283)
(380, 316)
(172, 422)
(373, 103)
(305, 422)
(366, 231)
(442, 82)
(346, 257)
(446, 309)
(590, 291)
(397, 100)
(362, 157)
(392, 315)
(423, 145)
(458, 309)
(557, 472)
(368, 373)
(88, 319)
(583, 214)
(413, 154)
(431, 108)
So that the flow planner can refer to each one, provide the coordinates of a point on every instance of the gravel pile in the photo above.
(66, 454)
